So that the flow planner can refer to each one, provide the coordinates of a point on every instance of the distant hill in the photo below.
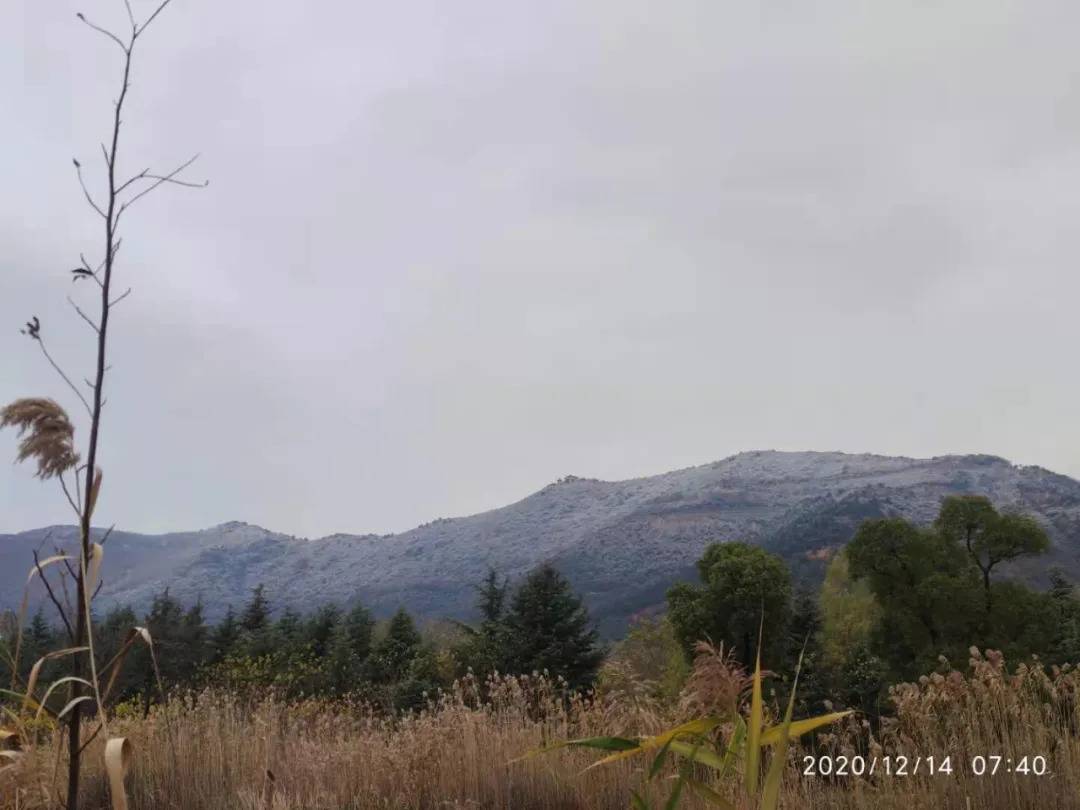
(622, 543)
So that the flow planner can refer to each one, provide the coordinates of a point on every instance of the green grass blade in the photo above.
(599, 743)
(658, 761)
(755, 722)
(797, 728)
(706, 793)
(694, 727)
(705, 757)
(771, 794)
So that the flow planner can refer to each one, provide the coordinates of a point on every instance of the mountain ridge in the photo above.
(621, 543)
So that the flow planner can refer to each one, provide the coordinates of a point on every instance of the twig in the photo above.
(168, 178)
(86, 191)
(105, 537)
(150, 19)
(67, 494)
(65, 377)
(120, 297)
(52, 596)
(83, 315)
(101, 30)
(146, 175)
(131, 19)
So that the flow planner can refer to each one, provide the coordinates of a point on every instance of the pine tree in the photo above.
(320, 629)
(257, 636)
(485, 649)
(549, 629)
(164, 621)
(256, 614)
(395, 651)
(349, 650)
(193, 643)
(225, 637)
(109, 637)
(359, 627)
(492, 598)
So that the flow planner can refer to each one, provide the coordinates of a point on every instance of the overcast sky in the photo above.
(451, 251)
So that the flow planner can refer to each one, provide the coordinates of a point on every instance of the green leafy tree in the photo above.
(739, 584)
(927, 591)
(1066, 618)
(849, 613)
(935, 588)
(989, 537)
(548, 628)
(651, 656)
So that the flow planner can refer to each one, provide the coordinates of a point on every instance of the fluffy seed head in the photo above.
(46, 435)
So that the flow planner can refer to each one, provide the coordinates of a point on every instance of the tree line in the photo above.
(538, 626)
(899, 601)
(895, 601)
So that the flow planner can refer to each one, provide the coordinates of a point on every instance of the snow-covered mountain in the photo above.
(622, 543)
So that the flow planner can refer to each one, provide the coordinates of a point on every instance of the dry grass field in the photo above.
(214, 750)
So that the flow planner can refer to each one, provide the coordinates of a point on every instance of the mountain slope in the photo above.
(622, 543)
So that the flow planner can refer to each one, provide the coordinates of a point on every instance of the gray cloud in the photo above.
(449, 254)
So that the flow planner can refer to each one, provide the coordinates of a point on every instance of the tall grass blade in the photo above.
(771, 794)
(755, 722)
(117, 755)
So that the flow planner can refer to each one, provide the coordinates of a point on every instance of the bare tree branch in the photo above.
(52, 596)
(104, 31)
(131, 19)
(160, 179)
(120, 297)
(105, 537)
(146, 175)
(86, 191)
(83, 315)
(64, 376)
(67, 494)
(150, 19)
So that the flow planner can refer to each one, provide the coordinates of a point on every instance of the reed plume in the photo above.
(46, 435)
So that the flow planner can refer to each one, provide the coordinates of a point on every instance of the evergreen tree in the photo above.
(392, 655)
(420, 683)
(492, 598)
(256, 614)
(486, 649)
(164, 621)
(350, 648)
(360, 627)
(193, 642)
(289, 631)
(257, 633)
(320, 629)
(109, 637)
(548, 628)
(225, 637)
